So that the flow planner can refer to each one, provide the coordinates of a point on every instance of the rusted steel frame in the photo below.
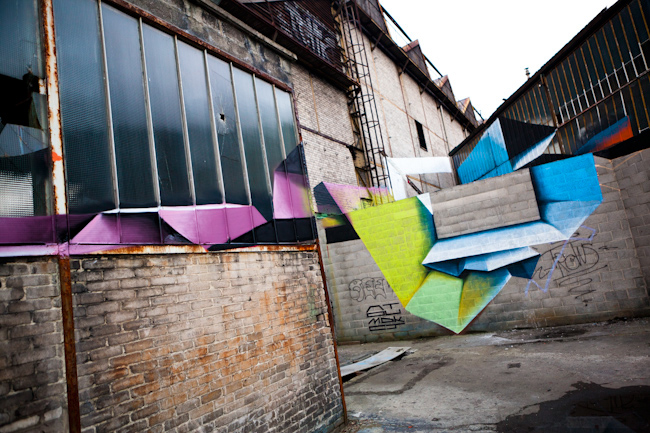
(374, 44)
(549, 101)
(197, 249)
(60, 208)
(330, 317)
(329, 137)
(163, 25)
(65, 280)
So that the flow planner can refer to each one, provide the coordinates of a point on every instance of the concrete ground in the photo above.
(585, 378)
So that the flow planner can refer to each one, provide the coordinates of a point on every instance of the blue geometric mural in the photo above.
(460, 275)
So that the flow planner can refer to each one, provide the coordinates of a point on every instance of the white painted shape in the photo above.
(398, 168)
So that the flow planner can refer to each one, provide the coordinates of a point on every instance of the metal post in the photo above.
(60, 208)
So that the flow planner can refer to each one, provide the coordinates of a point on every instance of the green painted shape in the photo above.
(479, 289)
(398, 236)
(438, 300)
(454, 302)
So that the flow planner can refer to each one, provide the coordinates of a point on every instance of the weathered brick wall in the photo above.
(229, 342)
(634, 181)
(595, 276)
(323, 109)
(32, 374)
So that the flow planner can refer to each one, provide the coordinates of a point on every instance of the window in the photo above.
(423, 141)
(151, 122)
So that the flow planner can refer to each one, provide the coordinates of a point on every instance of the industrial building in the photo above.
(178, 186)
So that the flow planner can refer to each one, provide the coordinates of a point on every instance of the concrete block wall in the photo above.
(360, 294)
(496, 202)
(633, 176)
(32, 375)
(232, 342)
(597, 275)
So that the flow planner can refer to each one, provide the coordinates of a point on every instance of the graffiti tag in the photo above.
(367, 287)
(573, 262)
(384, 317)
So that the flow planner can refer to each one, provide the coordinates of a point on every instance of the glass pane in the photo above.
(603, 52)
(628, 29)
(597, 59)
(223, 104)
(612, 44)
(270, 125)
(639, 22)
(83, 107)
(285, 107)
(249, 123)
(20, 50)
(199, 128)
(166, 118)
(25, 184)
(124, 60)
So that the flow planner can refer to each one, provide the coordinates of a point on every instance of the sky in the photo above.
(484, 46)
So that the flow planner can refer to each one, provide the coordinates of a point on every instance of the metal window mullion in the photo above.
(643, 56)
(240, 137)
(636, 73)
(186, 135)
(147, 104)
(109, 117)
(213, 125)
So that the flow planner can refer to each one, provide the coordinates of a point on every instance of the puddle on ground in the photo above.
(590, 408)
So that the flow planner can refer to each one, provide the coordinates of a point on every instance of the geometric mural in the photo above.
(450, 281)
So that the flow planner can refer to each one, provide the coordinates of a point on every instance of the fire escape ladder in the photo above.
(361, 100)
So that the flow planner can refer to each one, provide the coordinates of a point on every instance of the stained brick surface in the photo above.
(221, 342)
(32, 375)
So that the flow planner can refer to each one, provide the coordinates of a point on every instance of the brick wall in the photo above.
(230, 342)
(599, 274)
(32, 375)
(632, 174)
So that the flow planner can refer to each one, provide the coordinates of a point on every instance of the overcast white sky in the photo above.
(485, 45)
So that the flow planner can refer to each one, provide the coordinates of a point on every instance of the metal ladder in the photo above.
(361, 100)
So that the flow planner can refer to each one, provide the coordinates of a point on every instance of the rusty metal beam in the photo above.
(53, 109)
(330, 317)
(60, 208)
(74, 415)
(194, 249)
